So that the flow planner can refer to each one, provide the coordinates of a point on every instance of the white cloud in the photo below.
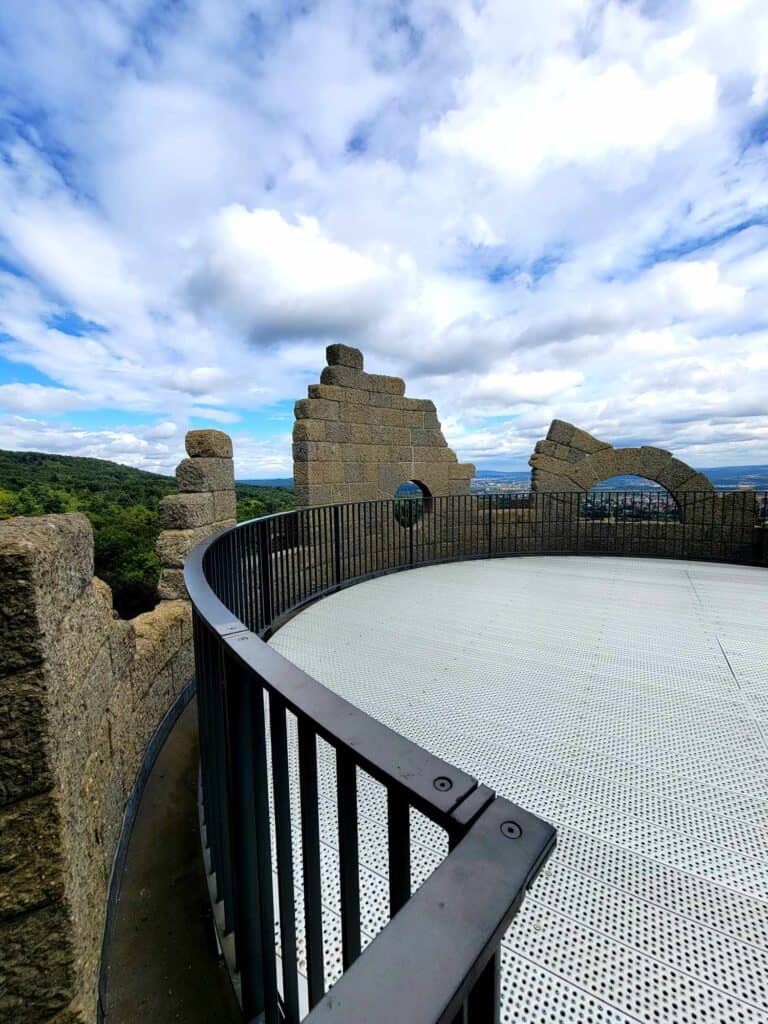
(527, 210)
(278, 280)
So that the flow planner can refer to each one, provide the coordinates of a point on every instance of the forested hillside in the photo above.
(121, 504)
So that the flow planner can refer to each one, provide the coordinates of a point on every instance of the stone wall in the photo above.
(82, 692)
(205, 503)
(570, 459)
(357, 438)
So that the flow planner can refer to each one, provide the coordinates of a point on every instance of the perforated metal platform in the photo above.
(624, 700)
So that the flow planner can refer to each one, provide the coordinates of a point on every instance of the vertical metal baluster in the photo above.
(218, 694)
(484, 1002)
(251, 952)
(399, 845)
(282, 802)
(349, 872)
(265, 580)
(264, 855)
(310, 850)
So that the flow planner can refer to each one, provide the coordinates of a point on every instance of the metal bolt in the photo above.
(442, 784)
(511, 830)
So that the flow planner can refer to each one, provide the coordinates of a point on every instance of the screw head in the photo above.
(511, 830)
(442, 784)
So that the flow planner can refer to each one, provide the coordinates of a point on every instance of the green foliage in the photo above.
(254, 501)
(121, 504)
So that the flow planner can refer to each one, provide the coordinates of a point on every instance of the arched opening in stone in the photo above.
(412, 500)
(628, 499)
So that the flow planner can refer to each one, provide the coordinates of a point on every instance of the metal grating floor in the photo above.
(626, 701)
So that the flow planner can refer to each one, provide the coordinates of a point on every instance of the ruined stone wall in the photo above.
(205, 503)
(82, 692)
(357, 438)
(570, 459)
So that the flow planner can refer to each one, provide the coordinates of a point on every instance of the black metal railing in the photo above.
(262, 722)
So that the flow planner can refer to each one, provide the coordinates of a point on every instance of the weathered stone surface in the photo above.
(30, 855)
(358, 438)
(385, 385)
(316, 409)
(171, 585)
(44, 563)
(38, 966)
(186, 511)
(224, 506)
(24, 765)
(652, 461)
(208, 444)
(205, 474)
(584, 442)
(344, 355)
(309, 430)
(344, 377)
(560, 431)
(173, 546)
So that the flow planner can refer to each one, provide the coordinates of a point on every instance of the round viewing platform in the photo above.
(622, 699)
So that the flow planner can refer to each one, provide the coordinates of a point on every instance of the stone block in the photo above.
(652, 461)
(360, 433)
(363, 492)
(430, 419)
(339, 492)
(385, 385)
(30, 855)
(337, 393)
(122, 647)
(354, 473)
(344, 355)
(461, 471)
(421, 436)
(173, 546)
(400, 418)
(310, 430)
(205, 475)
(45, 562)
(545, 482)
(585, 442)
(208, 444)
(560, 431)
(673, 474)
(24, 763)
(38, 964)
(600, 466)
(344, 377)
(696, 482)
(186, 511)
(171, 585)
(380, 400)
(224, 506)
(337, 433)
(316, 409)
(355, 414)
(628, 461)
(321, 472)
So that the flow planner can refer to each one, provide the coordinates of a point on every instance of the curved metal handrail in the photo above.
(458, 915)
(244, 583)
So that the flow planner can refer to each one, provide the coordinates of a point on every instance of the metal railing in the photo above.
(262, 720)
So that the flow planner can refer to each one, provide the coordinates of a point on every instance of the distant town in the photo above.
(487, 481)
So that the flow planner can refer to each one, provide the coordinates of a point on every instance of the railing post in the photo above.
(336, 545)
(265, 574)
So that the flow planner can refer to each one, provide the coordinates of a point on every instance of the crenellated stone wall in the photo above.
(82, 693)
(357, 438)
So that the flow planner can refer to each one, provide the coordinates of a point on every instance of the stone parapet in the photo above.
(357, 437)
(81, 693)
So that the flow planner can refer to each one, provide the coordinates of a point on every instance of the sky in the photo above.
(527, 211)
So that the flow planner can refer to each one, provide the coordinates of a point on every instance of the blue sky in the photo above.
(527, 211)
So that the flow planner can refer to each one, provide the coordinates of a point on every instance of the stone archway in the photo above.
(570, 459)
